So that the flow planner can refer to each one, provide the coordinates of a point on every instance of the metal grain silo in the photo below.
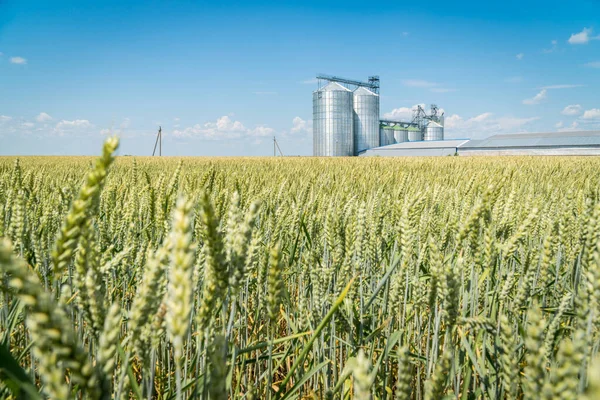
(366, 120)
(400, 134)
(333, 133)
(434, 131)
(386, 135)
(414, 134)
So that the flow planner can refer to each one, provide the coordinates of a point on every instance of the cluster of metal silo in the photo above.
(414, 134)
(366, 119)
(333, 121)
(346, 122)
(400, 134)
(433, 131)
(386, 135)
(390, 134)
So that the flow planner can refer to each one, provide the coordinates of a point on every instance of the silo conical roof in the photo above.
(363, 91)
(333, 86)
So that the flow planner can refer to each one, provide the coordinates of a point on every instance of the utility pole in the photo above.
(276, 147)
(158, 142)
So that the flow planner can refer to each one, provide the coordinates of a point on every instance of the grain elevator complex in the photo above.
(346, 123)
(346, 119)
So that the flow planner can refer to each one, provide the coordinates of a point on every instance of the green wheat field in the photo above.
(299, 278)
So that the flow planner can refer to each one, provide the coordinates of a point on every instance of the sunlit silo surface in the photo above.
(366, 120)
(346, 119)
(333, 121)
(434, 131)
(400, 134)
(386, 135)
(414, 134)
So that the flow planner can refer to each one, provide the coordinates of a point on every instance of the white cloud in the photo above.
(223, 128)
(571, 86)
(15, 125)
(456, 121)
(123, 126)
(18, 60)
(484, 125)
(559, 125)
(301, 130)
(561, 128)
(191, 131)
(453, 121)
(593, 64)
(41, 127)
(594, 113)
(77, 123)
(402, 113)
(43, 117)
(10, 125)
(520, 56)
(573, 109)
(481, 117)
(300, 126)
(583, 37)
(226, 124)
(537, 99)
(76, 126)
(262, 131)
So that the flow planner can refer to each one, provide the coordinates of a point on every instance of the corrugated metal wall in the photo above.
(366, 120)
(333, 122)
(434, 131)
(386, 135)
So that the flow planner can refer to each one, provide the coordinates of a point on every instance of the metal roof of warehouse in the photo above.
(424, 144)
(550, 139)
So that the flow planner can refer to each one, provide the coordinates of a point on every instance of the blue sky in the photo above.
(222, 79)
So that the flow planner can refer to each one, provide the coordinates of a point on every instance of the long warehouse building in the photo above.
(586, 143)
